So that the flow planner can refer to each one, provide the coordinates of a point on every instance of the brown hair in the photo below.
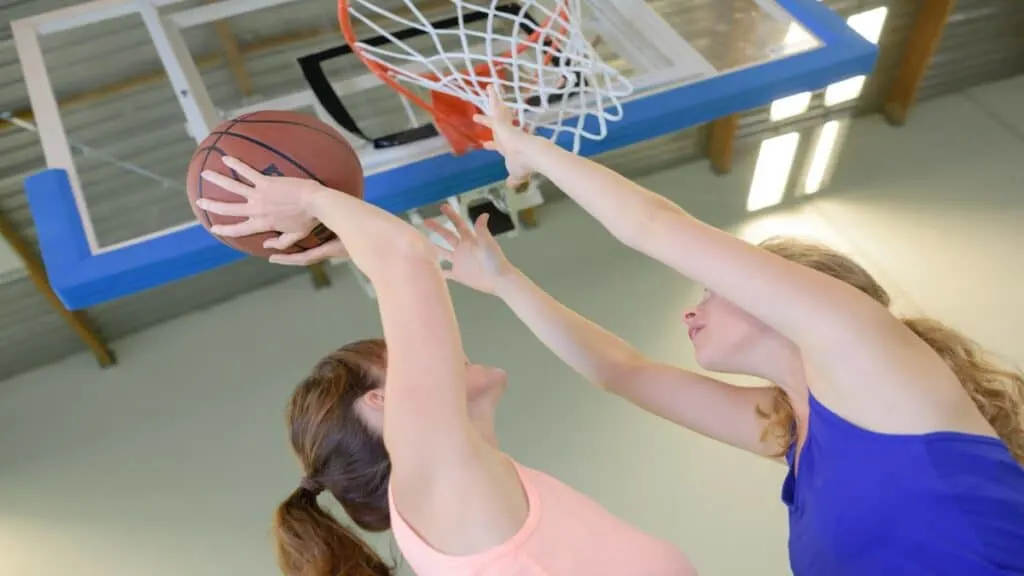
(340, 453)
(996, 390)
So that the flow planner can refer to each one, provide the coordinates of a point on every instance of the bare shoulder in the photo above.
(467, 503)
(898, 383)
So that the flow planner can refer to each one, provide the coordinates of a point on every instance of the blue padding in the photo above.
(82, 279)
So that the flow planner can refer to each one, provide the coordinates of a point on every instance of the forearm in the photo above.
(623, 207)
(598, 355)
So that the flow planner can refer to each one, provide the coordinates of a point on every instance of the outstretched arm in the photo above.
(453, 488)
(705, 405)
(863, 357)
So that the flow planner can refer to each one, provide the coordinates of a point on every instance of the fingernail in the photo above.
(201, 203)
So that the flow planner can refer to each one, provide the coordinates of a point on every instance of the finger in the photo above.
(481, 225)
(243, 169)
(225, 208)
(243, 228)
(442, 231)
(228, 183)
(498, 108)
(492, 145)
(463, 230)
(312, 256)
(484, 120)
(284, 241)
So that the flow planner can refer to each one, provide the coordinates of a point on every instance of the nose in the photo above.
(689, 316)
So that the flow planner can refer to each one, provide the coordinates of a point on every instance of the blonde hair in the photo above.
(996, 390)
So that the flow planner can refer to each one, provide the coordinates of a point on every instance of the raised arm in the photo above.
(707, 406)
(859, 351)
(450, 485)
(425, 398)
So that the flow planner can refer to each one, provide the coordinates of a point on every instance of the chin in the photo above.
(710, 359)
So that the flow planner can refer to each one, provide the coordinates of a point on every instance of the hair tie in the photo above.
(310, 485)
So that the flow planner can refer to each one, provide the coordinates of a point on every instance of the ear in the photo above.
(375, 398)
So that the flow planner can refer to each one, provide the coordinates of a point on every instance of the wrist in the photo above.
(505, 281)
(535, 148)
(313, 199)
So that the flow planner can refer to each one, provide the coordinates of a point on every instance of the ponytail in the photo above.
(996, 390)
(311, 542)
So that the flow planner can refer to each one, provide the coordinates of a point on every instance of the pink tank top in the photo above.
(565, 534)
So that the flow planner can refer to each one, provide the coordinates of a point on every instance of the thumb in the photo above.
(284, 241)
(332, 249)
(481, 225)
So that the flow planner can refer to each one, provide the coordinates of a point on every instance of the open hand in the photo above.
(272, 203)
(510, 140)
(477, 260)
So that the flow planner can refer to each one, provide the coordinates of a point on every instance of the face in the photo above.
(725, 338)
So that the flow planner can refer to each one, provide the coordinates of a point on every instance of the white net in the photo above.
(535, 51)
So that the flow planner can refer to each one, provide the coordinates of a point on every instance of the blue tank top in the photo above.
(868, 504)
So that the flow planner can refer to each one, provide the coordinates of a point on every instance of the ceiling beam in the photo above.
(78, 321)
(925, 35)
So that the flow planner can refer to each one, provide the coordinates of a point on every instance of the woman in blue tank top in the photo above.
(903, 439)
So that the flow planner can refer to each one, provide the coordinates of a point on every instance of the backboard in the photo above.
(688, 61)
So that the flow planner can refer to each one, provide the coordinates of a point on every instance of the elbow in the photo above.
(643, 229)
(619, 374)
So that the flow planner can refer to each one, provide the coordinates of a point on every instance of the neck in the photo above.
(783, 366)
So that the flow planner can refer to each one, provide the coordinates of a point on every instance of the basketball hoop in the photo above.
(534, 52)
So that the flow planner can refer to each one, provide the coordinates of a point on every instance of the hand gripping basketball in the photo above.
(271, 204)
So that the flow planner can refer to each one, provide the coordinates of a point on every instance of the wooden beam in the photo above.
(318, 273)
(721, 136)
(77, 320)
(742, 24)
(925, 35)
(234, 56)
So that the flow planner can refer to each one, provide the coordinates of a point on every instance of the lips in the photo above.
(694, 330)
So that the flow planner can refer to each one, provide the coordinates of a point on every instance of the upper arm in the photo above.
(425, 411)
(457, 492)
(710, 407)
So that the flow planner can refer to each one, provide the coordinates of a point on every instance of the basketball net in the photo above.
(533, 51)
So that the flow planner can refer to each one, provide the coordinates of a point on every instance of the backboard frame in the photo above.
(84, 274)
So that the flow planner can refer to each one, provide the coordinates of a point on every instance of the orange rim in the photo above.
(452, 115)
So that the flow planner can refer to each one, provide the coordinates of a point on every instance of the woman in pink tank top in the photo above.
(402, 435)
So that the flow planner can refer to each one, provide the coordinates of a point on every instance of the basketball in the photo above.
(276, 143)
